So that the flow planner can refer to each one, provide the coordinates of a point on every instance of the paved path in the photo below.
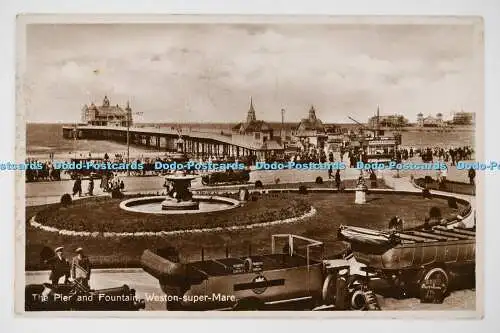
(404, 184)
(40, 193)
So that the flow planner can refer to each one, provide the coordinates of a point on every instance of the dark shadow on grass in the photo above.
(373, 199)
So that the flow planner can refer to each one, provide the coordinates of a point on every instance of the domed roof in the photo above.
(311, 123)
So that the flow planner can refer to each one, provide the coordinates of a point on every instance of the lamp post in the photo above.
(75, 134)
(282, 124)
(128, 143)
(129, 116)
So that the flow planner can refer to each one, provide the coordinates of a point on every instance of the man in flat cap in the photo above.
(59, 266)
(80, 268)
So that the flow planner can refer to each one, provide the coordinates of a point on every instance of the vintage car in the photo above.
(86, 172)
(410, 259)
(71, 296)
(226, 177)
(290, 277)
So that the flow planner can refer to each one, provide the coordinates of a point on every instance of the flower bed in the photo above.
(103, 215)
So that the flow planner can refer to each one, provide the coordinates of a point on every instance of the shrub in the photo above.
(302, 189)
(426, 193)
(46, 254)
(435, 212)
(258, 184)
(66, 200)
(319, 180)
(116, 194)
(452, 202)
(428, 179)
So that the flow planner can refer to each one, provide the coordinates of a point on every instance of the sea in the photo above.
(44, 139)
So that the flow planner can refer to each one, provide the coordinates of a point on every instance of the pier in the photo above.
(199, 144)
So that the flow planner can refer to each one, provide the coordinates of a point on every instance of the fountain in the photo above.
(179, 197)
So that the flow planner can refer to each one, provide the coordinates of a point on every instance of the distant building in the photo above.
(106, 114)
(259, 130)
(464, 118)
(311, 132)
(430, 121)
(388, 121)
(256, 133)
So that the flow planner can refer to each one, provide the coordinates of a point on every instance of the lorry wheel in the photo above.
(329, 289)
(439, 274)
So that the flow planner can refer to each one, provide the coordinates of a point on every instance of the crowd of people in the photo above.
(109, 183)
(47, 171)
(452, 155)
(349, 155)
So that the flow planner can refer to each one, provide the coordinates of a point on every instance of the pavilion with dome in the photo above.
(106, 114)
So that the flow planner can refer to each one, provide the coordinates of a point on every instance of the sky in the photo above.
(179, 72)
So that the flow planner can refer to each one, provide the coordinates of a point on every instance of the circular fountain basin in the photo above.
(173, 204)
(154, 205)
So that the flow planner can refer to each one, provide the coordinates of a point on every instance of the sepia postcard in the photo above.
(306, 166)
